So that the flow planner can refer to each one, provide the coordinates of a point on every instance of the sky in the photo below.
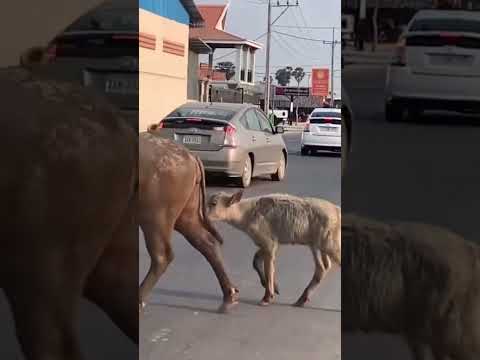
(248, 19)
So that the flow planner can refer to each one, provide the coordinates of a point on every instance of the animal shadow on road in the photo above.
(215, 298)
(289, 305)
(185, 295)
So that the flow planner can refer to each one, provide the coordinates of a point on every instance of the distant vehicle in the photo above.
(323, 131)
(281, 116)
(233, 140)
(100, 49)
(436, 65)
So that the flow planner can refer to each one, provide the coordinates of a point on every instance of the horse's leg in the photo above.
(113, 285)
(44, 302)
(158, 236)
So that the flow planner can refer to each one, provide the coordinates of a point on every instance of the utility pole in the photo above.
(332, 70)
(267, 64)
(268, 85)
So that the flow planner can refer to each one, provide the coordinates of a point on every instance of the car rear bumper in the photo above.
(227, 161)
(311, 141)
(432, 91)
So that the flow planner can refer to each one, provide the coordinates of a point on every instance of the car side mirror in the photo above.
(279, 129)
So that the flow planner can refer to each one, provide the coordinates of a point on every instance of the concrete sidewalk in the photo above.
(382, 55)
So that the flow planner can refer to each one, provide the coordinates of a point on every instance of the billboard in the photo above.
(320, 82)
(293, 91)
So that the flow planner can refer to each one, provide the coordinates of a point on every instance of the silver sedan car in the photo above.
(234, 140)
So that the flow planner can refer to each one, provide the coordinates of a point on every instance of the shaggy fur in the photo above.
(276, 219)
(417, 280)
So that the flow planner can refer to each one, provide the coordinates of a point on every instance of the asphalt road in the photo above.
(425, 170)
(180, 322)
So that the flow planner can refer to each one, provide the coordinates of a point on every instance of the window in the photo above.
(252, 121)
(217, 114)
(323, 114)
(264, 123)
(451, 25)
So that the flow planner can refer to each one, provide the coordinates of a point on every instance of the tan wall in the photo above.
(163, 76)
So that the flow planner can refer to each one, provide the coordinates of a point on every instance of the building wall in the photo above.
(163, 75)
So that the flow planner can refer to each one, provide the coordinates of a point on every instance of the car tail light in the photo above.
(230, 132)
(450, 39)
(400, 55)
(51, 52)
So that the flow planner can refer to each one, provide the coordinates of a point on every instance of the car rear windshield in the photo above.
(216, 114)
(325, 114)
(446, 25)
(107, 20)
(324, 120)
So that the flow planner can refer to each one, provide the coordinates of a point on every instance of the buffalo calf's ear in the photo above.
(235, 198)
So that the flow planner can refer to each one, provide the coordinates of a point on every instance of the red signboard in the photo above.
(320, 82)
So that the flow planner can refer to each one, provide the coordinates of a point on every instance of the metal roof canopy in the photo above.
(199, 46)
(196, 18)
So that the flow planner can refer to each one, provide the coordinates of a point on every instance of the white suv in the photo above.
(436, 65)
(323, 131)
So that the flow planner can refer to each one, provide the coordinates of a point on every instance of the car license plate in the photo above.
(192, 140)
(327, 128)
(451, 60)
(121, 86)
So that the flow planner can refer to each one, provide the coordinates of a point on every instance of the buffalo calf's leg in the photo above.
(269, 266)
(258, 266)
(320, 270)
(158, 243)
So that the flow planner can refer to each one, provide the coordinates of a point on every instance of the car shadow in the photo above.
(322, 154)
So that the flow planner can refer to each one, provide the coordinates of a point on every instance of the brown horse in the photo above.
(172, 197)
(67, 215)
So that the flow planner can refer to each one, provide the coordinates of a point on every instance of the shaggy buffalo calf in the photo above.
(276, 219)
(412, 279)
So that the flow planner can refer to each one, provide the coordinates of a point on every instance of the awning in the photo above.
(199, 46)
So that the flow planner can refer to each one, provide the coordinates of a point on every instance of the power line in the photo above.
(258, 37)
(307, 27)
(327, 42)
(234, 51)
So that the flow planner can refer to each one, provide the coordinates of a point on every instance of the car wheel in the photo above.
(304, 151)
(393, 113)
(246, 178)
(280, 174)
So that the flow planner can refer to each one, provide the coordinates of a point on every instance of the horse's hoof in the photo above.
(226, 307)
(300, 302)
(264, 303)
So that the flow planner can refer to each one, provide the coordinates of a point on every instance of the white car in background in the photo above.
(436, 65)
(323, 131)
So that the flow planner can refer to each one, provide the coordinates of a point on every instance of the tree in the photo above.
(226, 67)
(298, 74)
(284, 75)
